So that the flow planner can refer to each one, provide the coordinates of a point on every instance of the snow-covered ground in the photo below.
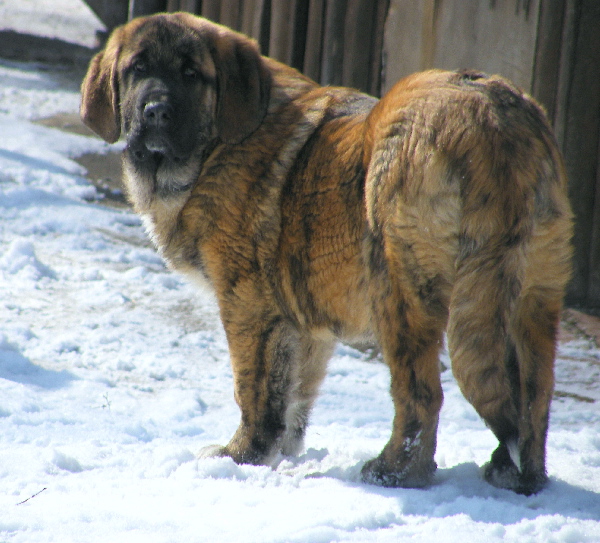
(114, 372)
(68, 20)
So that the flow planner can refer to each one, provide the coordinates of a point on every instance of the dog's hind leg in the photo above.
(533, 332)
(484, 359)
(407, 458)
(501, 337)
(409, 324)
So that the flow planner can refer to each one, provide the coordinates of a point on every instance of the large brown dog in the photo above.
(319, 214)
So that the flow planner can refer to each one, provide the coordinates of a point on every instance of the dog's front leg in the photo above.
(264, 352)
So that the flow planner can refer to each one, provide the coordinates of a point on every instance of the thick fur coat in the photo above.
(319, 214)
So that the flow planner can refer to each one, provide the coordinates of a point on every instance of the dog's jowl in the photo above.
(319, 214)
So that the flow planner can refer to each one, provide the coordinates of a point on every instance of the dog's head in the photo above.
(172, 84)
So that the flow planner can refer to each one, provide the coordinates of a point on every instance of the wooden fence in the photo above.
(549, 47)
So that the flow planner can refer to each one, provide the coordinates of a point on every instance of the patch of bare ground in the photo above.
(103, 170)
(577, 371)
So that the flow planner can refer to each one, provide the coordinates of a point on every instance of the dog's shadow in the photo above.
(462, 490)
(16, 367)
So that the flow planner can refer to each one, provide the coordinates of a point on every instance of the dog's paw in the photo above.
(378, 472)
(212, 451)
(504, 471)
(509, 477)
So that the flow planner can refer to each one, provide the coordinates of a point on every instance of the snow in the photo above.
(63, 19)
(114, 373)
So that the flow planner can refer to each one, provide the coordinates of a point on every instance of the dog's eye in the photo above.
(140, 66)
(189, 72)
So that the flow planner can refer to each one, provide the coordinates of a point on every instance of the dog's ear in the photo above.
(244, 86)
(99, 108)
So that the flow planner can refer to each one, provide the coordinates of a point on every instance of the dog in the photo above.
(318, 214)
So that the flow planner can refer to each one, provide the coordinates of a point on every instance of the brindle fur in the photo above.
(317, 214)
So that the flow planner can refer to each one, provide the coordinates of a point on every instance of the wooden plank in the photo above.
(255, 22)
(567, 57)
(581, 144)
(111, 12)
(192, 6)
(377, 50)
(554, 84)
(593, 297)
(429, 33)
(313, 51)
(547, 54)
(211, 9)
(283, 22)
(251, 13)
(300, 30)
(137, 8)
(402, 41)
(288, 31)
(261, 27)
(496, 37)
(332, 65)
(358, 43)
(231, 13)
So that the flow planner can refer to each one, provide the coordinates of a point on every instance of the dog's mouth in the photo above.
(154, 153)
(167, 170)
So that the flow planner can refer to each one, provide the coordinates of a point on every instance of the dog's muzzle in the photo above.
(158, 115)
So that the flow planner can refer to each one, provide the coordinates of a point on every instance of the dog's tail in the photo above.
(512, 266)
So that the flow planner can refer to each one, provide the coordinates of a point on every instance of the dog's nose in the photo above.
(158, 114)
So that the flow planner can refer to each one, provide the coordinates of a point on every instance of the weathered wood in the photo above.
(313, 53)
(567, 56)
(301, 25)
(231, 13)
(111, 12)
(376, 74)
(252, 18)
(403, 36)
(497, 37)
(547, 53)
(192, 6)
(358, 43)
(581, 138)
(593, 296)
(261, 30)
(429, 33)
(332, 66)
(137, 8)
(283, 24)
(211, 9)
